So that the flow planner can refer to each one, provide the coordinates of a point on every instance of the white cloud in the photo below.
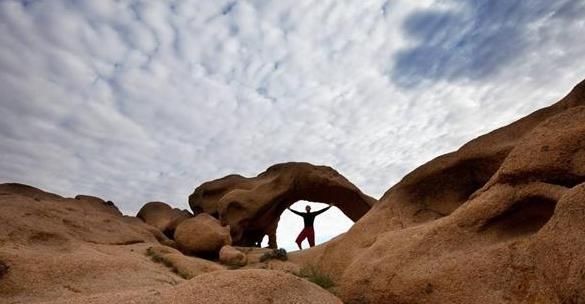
(143, 100)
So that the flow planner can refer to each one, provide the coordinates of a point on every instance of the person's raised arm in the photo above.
(322, 210)
(294, 211)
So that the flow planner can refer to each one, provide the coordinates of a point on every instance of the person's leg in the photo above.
(271, 231)
(311, 236)
(272, 241)
(300, 238)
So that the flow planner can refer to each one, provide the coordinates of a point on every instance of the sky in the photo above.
(137, 101)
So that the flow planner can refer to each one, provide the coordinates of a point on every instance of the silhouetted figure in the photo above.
(308, 232)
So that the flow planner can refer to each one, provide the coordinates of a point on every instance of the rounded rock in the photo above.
(202, 235)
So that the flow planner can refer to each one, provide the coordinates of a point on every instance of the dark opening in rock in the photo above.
(438, 192)
(525, 217)
(3, 269)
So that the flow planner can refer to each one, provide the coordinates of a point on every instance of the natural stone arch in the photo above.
(252, 206)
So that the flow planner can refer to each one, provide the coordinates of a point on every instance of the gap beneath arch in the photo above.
(327, 225)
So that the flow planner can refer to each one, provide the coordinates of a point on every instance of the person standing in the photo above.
(308, 231)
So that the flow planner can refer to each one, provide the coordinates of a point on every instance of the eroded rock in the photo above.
(252, 206)
(250, 286)
(229, 255)
(3, 269)
(60, 247)
(163, 216)
(202, 235)
(99, 204)
(185, 266)
(498, 221)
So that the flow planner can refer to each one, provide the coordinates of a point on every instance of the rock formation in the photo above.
(501, 220)
(226, 287)
(163, 217)
(187, 267)
(58, 247)
(252, 206)
(229, 255)
(99, 204)
(3, 269)
(202, 235)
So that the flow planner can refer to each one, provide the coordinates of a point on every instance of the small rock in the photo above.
(229, 255)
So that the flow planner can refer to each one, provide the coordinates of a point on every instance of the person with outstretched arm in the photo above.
(309, 218)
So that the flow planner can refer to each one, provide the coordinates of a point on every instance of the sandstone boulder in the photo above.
(163, 217)
(252, 206)
(177, 217)
(498, 221)
(229, 255)
(202, 235)
(157, 214)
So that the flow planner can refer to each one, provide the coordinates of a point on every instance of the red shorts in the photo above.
(307, 233)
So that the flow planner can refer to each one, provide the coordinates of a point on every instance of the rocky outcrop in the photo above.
(498, 221)
(163, 217)
(58, 247)
(27, 191)
(202, 235)
(229, 255)
(99, 204)
(185, 266)
(252, 206)
(227, 287)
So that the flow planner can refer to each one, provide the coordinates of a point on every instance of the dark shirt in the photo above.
(309, 217)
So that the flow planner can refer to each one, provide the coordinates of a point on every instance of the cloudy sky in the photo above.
(135, 101)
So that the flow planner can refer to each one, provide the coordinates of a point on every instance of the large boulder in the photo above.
(202, 235)
(163, 217)
(252, 206)
(498, 221)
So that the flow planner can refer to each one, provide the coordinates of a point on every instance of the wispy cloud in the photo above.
(476, 39)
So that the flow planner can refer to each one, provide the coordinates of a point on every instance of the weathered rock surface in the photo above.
(252, 206)
(253, 254)
(99, 204)
(185, 266)
(3, 269)
(229, 255)
(58, 247)
(501, 220)
(202, 235)
(225, 287)
(163, 217)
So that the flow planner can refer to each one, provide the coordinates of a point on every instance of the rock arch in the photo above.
(252, 206)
